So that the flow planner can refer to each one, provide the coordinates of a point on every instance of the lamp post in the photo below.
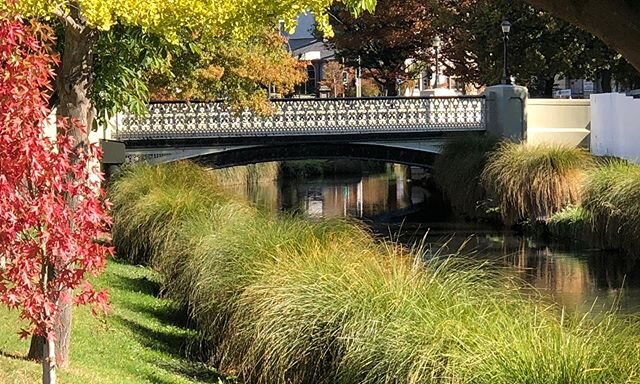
(359, 78)
(436, 45)
(506, 27)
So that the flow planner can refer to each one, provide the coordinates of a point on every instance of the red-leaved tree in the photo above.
(52, 209)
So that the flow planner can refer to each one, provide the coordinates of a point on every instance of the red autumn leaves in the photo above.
(52, 209)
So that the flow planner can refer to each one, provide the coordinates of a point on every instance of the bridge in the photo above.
(407, 130)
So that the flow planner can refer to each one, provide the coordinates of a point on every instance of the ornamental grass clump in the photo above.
(150, 201)
(572, 223)
(286, 300)
(611, 194)
(457, 172)
(535, 181)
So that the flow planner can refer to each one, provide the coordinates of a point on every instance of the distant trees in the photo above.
(397, 31)
(615, 22)
(541, 47)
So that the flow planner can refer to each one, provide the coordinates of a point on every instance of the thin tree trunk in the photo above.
(49, 363)
(391, 86)
(73, 86)
(605, 81)
(548, 87)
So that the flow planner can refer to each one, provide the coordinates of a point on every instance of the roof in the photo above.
(326, 53)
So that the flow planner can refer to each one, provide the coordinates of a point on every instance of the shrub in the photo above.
(457, 172)
(535, 181)
(612, 197)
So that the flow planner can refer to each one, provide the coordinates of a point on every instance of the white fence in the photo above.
(615, 126)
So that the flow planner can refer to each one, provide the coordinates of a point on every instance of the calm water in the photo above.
(393, 205)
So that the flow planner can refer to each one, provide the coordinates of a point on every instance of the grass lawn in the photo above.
(142, 340)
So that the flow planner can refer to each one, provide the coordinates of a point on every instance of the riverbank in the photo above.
(143, 340)
(558, 192)
(281, 299)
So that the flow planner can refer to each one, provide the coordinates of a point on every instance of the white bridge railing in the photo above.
(298, 117)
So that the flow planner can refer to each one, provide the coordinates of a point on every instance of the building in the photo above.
(304, 45)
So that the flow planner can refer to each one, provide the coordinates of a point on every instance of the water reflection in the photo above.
(393, 205)
(367, 196)
(578, 279)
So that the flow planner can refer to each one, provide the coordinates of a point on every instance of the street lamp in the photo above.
(506, 27)
(436, 44)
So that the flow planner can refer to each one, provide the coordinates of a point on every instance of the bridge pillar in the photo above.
(506, 111)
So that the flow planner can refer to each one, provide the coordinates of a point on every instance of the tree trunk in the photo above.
(75, 76)
(49, 363)
(605, 81)
(548, 87)
(615, 22)
(391, 87)
(73, 86)
(36, 348)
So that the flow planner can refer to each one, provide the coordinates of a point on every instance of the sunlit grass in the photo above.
(612, 197)
(142, 340)
(535, 181)
(284, 300)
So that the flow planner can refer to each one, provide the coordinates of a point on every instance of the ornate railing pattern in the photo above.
(293, 117)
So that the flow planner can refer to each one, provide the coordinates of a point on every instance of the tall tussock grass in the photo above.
(612, 196)
(283, 300)
(248, 174)
(535, 181)
(457, 172)
(574, 224)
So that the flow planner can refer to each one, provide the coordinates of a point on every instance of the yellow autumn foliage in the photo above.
(170, 18)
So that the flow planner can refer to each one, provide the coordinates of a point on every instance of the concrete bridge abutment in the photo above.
(507, 111)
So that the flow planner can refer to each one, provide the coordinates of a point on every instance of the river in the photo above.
(396, 206)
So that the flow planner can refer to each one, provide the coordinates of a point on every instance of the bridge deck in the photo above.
(178, 121)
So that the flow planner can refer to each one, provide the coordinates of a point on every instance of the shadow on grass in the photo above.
(180, 345)
(16, 356)
(138, 284)
(166, 332)
(169, 314)
(193, 371)
(171, 342)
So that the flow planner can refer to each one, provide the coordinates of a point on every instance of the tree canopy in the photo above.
(541, 47)
(47, 246)
(397, 31)
(615, 22)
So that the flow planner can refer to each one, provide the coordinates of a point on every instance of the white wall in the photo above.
(558, 122)
(615, 126)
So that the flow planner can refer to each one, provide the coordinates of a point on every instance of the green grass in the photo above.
(572, 224)
(457, 172)
(535, 181)
(142, 340)
(612, 197)
(248, 174)
(283, 300)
